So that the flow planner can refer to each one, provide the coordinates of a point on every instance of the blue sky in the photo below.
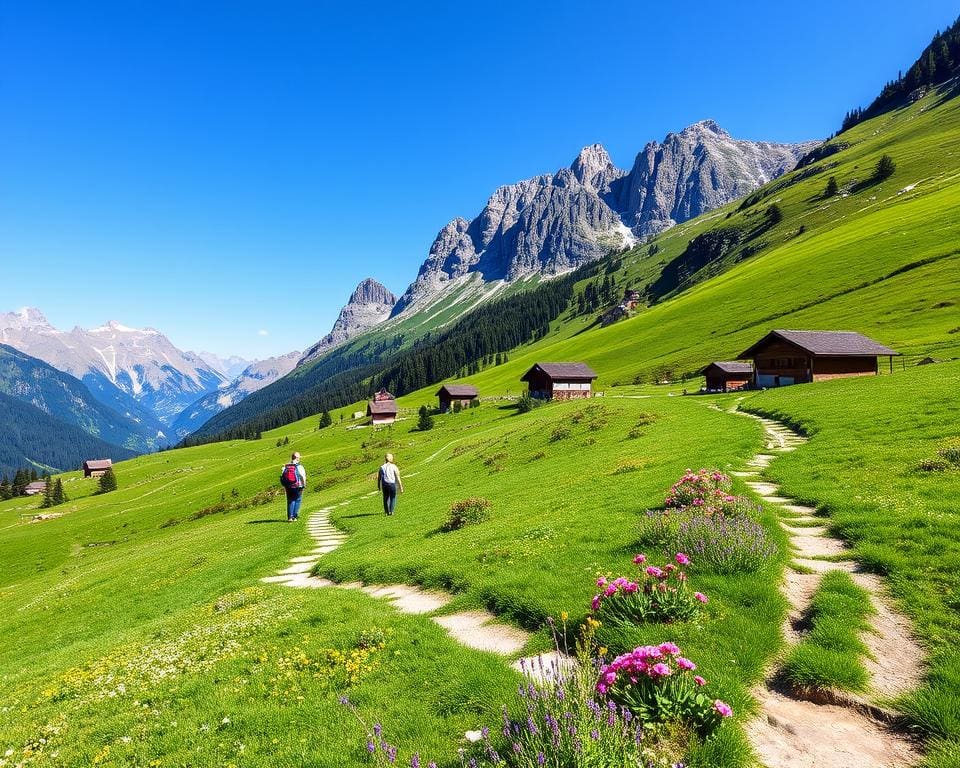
(222, 169)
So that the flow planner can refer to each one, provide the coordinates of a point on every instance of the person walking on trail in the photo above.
(389, 482)
(293, 478)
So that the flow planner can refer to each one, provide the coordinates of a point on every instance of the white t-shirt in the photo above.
(389, 473)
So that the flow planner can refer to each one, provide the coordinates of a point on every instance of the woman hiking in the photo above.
(293, 478)
(389, 482)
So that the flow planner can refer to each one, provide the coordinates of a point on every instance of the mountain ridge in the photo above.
(552, 223)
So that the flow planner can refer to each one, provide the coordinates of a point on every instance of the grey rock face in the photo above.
(694, 171)
(553, 223)
(369, 305)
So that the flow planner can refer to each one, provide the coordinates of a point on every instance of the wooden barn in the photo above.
(798, 357)
(382, 409)
(96, 467)
(728, 376)
(35, 488)
(449, 394)
(559, 381)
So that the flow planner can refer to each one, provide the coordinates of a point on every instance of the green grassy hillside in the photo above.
(149, 634)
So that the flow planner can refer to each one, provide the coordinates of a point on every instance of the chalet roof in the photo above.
(563, 371)
(729, 366)
(382, 408)
(97, 464)
(36, 485)
(826, 343)
(459, 390)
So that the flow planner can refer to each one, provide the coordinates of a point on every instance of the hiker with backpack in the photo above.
(293, 478)
(389, 482)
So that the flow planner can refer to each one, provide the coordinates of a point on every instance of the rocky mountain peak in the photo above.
(27, 317)
(369, 305)
(594, 168)
(369, 291)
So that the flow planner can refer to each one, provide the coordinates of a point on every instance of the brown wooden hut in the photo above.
(798, 357)
(382, 409)
(35, 488)
(560, 381)
(727, 376)
(96, 467)
(449, 394)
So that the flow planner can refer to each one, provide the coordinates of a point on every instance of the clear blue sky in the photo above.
(220, 169)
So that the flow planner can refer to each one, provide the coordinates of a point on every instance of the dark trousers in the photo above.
(389, 497)
(293, 503)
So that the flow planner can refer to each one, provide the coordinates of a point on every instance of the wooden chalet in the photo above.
(96, 467)
(560, 381)
(35, 488)
(728, 376)
(631, 299)
(799, 357)
(382, 409)
(464, 394)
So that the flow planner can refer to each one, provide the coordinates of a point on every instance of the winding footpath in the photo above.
(840, 730)
(790, 731)
(478, 629)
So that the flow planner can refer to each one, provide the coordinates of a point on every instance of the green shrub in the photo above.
(560, 433)
(467, 512)
(951, 451)
(526, 403)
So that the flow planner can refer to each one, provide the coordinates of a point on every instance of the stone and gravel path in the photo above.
(850, 730)
(478, 629)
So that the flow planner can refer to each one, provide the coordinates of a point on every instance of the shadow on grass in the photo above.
(362, 514)
(258, 522)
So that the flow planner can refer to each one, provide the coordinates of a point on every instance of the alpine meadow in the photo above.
(599, 557)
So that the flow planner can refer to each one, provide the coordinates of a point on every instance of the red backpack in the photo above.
(290, 477)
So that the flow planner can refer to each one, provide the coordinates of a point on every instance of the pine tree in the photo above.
(59, 496)
(108, 481)
(425, 422)
(47, 494)
(832, 187)
(6, 491)
(326, 420)
(885, 168)
(20, 480)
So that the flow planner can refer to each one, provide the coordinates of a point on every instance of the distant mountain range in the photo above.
(129, 387)
(255, 376)
(67, 399)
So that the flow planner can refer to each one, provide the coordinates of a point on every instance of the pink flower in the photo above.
(682, 559)
(700, 596)
(610, 590)
(641, 558)
(722, 708)
(652, 570)
(601, 688)
(602, 581)
(659, 670)
(698, 502)
(672, 648)
(595, 603)
(699, 680)
(685, 664)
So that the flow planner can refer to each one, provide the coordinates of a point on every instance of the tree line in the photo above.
(492, 328)
(935, 65)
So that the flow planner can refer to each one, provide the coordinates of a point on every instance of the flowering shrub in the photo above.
(725, 544)
(659, 594)
(707, 488)
(467, 512)
(657, 684)
(561, 717)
